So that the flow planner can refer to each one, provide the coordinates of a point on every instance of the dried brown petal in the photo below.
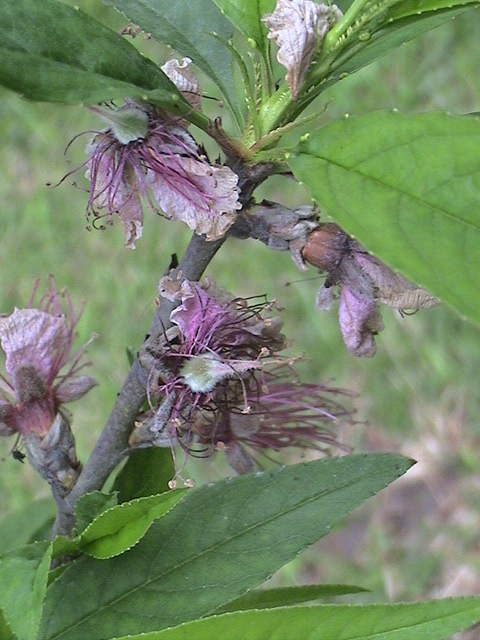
(298, 27)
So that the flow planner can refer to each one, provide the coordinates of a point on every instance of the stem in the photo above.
(112, 445)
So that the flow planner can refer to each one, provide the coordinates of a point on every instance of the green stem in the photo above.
(340, 28)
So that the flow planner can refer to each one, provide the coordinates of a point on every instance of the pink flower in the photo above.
(143, 158)
(38, 347)
(218, 382)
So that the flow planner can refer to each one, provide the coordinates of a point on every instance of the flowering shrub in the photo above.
(131, 551)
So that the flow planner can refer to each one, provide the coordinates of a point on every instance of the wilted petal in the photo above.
(203, 196)
(33, 338)
(185, 80)
(392, 288)
(71, 389)
(6, 410)
(325, 298)
(298, 28)
(360, 321)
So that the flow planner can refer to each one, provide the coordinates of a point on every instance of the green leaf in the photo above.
(91, 505)
(23, 576)
(52, 52)
(435, 620)
(5, 631)
(220, 541)
(382, 27)
(146, 473)
(121, 527)
(247, 16)
(408, 187)
(189, 28)
(287, 596)
(17, 528)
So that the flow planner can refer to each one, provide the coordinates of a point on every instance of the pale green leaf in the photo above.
(435, 620)
(287, 596)
(121, 527)
(408, 187)
(220, 541)
(91, 505)
(190, 29)
(55, 53)
(23, 580)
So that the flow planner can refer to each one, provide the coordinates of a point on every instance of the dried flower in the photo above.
(218, 382)
(144, 157)
(38, 347)
(298, 27)
(364, 281)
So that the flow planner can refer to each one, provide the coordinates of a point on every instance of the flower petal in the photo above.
(298, 28)
(360, 322)
(34, 338)
(185, 80)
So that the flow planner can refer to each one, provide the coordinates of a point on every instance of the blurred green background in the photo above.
(419, 395)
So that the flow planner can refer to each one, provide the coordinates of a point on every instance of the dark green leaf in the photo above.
(91, 505)
(247, 17)
(146, 473)
(288, 596)
(17, 528)
(52, 52)
(220, 541)
(5, 631)
(435, 620)
(23, 576)
(188, 28)
(408, 187)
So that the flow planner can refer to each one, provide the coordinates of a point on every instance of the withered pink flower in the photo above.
(142, 157)
(218, 382)
(42, 371)
(298, 27)
(363, 282)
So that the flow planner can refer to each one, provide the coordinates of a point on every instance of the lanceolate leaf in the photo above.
(389, 29)
(220, 541)
(408, 187)
(189, 28)
(436, 620)
(287, 596)
(52, 52)
(247, 17)
(23, 580)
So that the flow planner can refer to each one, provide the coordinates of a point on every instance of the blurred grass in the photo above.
(426, 365)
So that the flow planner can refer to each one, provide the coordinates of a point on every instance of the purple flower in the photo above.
(42, 371)
(363, 282)
(218, 382)
(144, 158)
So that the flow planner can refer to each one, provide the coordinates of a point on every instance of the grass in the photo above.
(419, 395)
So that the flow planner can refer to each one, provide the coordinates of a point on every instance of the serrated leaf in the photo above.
(189, 29)
(435, 620)
(17, 528)
(146, 473)
(288, 596)
(121, 527)
(91, 505)
(52, 52)
(382, 27)
(408, 187)
(220, 541)
(23, 576)
(247, 18)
